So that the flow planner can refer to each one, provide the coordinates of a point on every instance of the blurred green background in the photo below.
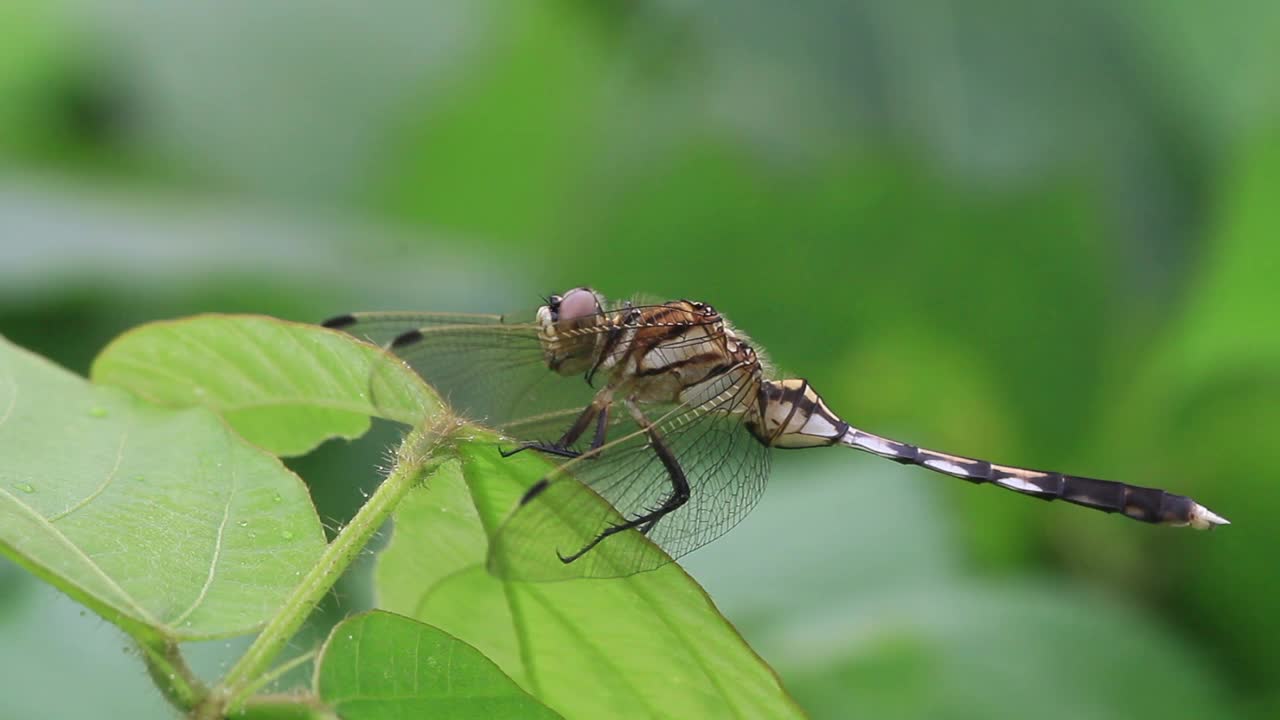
(1042, 233)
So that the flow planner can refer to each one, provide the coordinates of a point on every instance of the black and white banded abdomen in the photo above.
(793, 415)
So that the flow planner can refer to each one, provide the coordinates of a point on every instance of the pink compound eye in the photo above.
(578, 303)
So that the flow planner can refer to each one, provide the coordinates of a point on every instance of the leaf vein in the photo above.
(115, 469)
(272, 365)
(217, 552)
(693, 647)
(615, 671)
(76, 550)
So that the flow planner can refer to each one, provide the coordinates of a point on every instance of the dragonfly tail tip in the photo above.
(1202, 518)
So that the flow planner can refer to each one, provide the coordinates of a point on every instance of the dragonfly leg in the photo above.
(611, 340)
(602, 427)
(562, 448)
(680, 491)
(541, 446)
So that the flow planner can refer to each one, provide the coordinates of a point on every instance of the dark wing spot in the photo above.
(534, 491)
(340, 321)
(406, 338)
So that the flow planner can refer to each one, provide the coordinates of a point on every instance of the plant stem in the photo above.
(284, 707)
(333, 562)
(236, 703)
(172, 675)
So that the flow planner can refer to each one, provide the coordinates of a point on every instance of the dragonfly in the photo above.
(657, 421)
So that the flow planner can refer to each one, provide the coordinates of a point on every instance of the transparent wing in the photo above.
(488, 368)
(492, 369)
(380, 328)
(575, 506)
(497, 375)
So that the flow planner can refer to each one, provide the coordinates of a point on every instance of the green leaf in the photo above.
(164, 522)
(284, 386)
(380, 665)
(647, 645)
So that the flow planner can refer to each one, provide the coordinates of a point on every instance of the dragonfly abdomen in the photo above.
(1146, 504)
(793, 416)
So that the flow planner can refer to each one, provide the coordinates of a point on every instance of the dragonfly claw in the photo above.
(546, 447)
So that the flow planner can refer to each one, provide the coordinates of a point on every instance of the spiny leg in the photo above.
(597, 410)
(628, 319)
(542, 447)
(680, 491)
(602, 430)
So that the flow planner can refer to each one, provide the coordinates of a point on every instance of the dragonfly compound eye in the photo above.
(578, 303)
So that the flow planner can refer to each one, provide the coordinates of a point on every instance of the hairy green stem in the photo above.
(172, 675)
(237, 702)
(333, 562)
(284, 707)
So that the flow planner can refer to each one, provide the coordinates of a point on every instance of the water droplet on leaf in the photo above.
(25, 487)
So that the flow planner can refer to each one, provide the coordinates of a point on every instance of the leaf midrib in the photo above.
(140, 612)
(275, 400)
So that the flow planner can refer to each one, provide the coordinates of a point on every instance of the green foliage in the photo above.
(284, 387)
(161, 521)
(379, 665)
(648, 645)
(1040, 233)
(103, 525)
(1209, 409)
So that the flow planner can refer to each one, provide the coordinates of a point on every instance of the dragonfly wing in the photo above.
(380, 328)
(574, 505)
(491, 369)
(488, 369)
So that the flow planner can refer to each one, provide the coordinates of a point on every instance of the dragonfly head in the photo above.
(568, 323)
(575, 304)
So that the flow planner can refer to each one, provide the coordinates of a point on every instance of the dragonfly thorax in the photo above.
(667, 353)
